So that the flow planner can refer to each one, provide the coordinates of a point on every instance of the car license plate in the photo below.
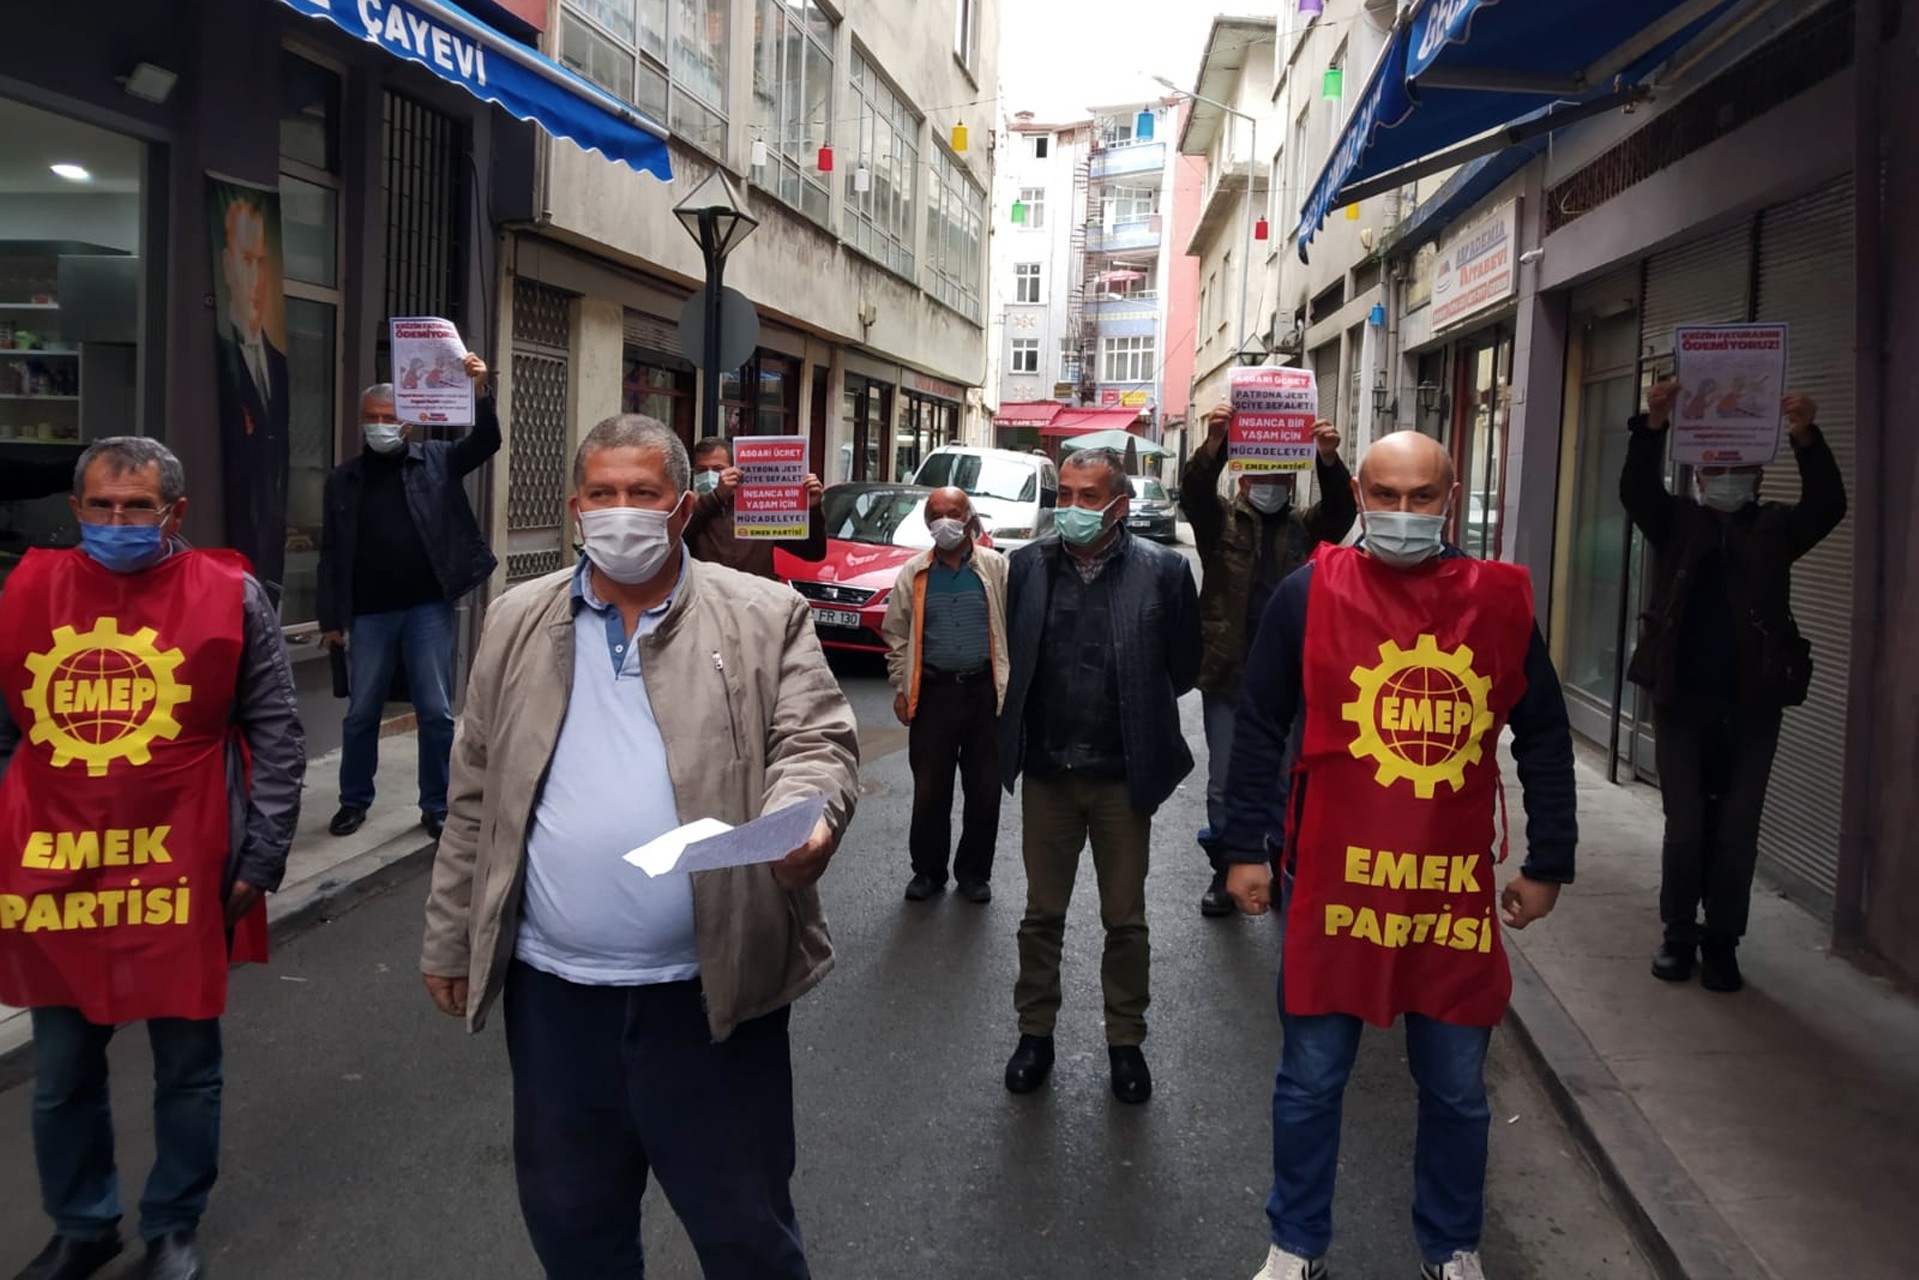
(837, 618)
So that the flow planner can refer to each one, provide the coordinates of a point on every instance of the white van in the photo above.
(1015, 492)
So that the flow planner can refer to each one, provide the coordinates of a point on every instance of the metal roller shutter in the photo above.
(1806, 280)
(1707, 281)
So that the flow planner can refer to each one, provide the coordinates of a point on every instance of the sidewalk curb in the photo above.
(1685, 1237)
(290, 914)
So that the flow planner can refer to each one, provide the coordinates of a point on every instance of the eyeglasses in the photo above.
(122, 513)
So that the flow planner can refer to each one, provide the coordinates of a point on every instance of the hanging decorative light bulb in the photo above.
(862, 179)
(1332, 85)
(959, 137)
(1262, 230)
(1019, 213)
(826, 157)
(759, 153)
(1143, 126)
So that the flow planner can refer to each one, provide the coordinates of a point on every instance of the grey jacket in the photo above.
(753, 720)
(261, 816)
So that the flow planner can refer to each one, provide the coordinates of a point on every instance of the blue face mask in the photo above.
(1079, 526)
(123, 548)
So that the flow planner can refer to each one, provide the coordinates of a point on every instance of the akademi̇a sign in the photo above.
(1476, 267)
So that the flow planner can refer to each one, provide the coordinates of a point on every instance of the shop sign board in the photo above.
(1476, 268)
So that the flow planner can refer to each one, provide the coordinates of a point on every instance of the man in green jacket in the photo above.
(646, 1017)
(1247, 546)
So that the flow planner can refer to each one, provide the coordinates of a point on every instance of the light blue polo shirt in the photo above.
(587, 916)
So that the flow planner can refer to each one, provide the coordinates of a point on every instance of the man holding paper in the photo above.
(1247, 547)
(399, 546)
(1722, 657)
(646, 1015)
(710, 531)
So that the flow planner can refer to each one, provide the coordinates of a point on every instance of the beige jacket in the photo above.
(752, 718)
(906, 617)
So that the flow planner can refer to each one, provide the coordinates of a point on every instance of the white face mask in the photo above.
(948, 533)
(1728, 492)
(1269, 499)
(705, 481)
(627, 544)
(1403, 539)
(384, 437)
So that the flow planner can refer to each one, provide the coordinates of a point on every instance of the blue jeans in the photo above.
(1449, 1154)
(73, 1124)
(377, 643)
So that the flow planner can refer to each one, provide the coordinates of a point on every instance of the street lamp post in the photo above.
(715, 216)
(1252, 161)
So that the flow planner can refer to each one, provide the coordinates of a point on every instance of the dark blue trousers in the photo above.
(610, 1083)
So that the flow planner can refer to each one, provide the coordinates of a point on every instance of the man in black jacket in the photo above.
(1722, 657)
(1104, 637)
(399, 546)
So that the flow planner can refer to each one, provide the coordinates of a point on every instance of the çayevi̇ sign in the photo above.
(1476, 267)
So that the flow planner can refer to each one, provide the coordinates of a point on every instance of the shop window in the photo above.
(868, 410)
(1484, 409)
(1597, 559)
(423, 155)
(793, 100)
(762, 397)
(667, 57)
(70, 314)
(880, 221)
(660, 391)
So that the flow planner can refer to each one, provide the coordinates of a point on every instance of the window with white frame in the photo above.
(667, 57)
(1127, 359)
(1026, 282)
(1131, 204)
(966, 32)
(1026, 355)
(1336, 107)
(1115, 131)
(955, 236)
(793, 100)
(1040, 144)
(1034, 198)
(1068, 362)
(1302, 179)
(1276, 193)
(879, 221)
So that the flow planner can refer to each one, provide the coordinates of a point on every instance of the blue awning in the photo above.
(462, 50)
(1457, 69)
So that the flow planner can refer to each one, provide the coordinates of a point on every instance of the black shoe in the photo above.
(174, 1256)
(1673, 961)
(920, 888)
(65, 1258)
(1030, 1064)
(1132, 1082)
(346, 821)
(434, 823)
(976, 891)
(1216, 902)
(1719, 967)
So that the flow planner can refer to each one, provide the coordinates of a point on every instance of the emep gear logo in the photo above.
(101, 696)
(1421, 715)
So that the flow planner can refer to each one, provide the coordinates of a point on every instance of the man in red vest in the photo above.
(150, 767)
(1402, 660)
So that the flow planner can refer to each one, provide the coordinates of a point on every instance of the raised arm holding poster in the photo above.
(1730, 380)
(772, 501)
(1273, 415)
(430, 385)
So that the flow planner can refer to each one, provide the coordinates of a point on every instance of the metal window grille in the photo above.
(423, 153)
(536, 448)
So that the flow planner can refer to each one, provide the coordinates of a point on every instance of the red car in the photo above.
(872, 528)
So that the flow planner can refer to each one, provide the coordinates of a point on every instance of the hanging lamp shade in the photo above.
(1019, 213)
(959, 137)
(1143, 126)
(1332, 85)
(826, 158)
(1311, 6)
(862, 180)
(1352, 213)
(759, 153)
(1262, 230)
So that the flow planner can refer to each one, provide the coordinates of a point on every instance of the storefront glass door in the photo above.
(1484, 407)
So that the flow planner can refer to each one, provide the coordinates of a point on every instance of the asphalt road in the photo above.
(368, 1137)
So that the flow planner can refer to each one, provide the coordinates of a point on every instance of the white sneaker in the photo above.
(1464, 1266)
(1281, 1265)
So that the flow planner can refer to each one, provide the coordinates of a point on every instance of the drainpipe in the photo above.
(1864, 704)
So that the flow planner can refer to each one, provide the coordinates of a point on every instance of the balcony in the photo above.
(1129, 159)
(1124, 237)
(1111, 306)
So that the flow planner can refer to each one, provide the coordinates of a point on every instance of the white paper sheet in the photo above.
(710, 844)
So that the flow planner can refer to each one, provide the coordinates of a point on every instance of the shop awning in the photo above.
(1031, 413)
(1077, 422)
(1482, 70)
(462, 50)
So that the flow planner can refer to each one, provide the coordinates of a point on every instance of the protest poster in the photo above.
(1731, 378)
(430, 386)
(1273, 415)
(771, 501)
